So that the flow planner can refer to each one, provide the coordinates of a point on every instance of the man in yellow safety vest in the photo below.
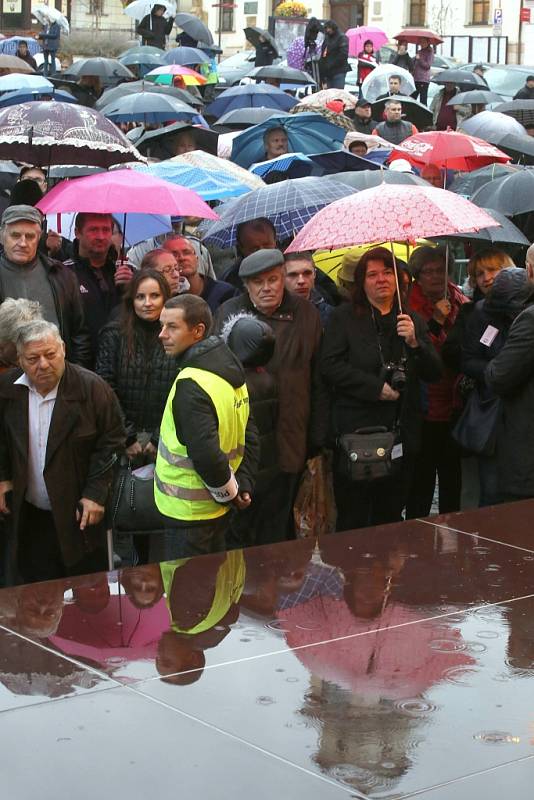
(208, 447)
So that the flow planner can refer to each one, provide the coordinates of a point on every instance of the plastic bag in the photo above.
(314, 511)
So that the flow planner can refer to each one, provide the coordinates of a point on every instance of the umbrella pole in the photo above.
(446, 271)
(123, 249)
(397, 287)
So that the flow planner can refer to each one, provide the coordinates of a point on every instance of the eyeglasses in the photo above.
(169, 270)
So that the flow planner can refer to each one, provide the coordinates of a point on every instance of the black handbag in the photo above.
(476, 429)
(134, 507)
(369, 454)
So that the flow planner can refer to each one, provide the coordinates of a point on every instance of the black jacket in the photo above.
(215, 293)
(142, 380)
(352, 368)
(196, 422)
(403, 60)
(364, 126)
(153, 30)
(334, 53)
(511, 376)
(265, 55)
(524, 94)
(69, 311)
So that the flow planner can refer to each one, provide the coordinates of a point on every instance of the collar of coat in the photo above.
(71, 387)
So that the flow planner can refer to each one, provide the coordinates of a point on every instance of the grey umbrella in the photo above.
(108, 69)
(468, 183)
(135, 87)
(194, 27)
(475, 97)
(283, 74)
(367, 178)
(521, 110)
(245, 117)
(521, 148)
(511, 195)
(253, 34)
(490, 124)
(464, 80)
(508, 233)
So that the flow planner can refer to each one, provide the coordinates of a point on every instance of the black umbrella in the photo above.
(462, 79)
(210, 49)
(158, 143)
(508, 233)
(469, 182)
(475, 97)
(415, 112)
(253, 34)
(107, 69)
(521, 110)
(245, 117)
(367, 179)
(521, 148)
(134, 87)
(283, 74)
(194, 27)
(511, 195)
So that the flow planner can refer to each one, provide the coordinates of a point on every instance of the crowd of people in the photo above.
(221, 373)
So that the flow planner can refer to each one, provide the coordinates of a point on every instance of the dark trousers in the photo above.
(421, 91)
(366, 503)
(49, 62)
(269, 518)
(184, 542)
(439, 456)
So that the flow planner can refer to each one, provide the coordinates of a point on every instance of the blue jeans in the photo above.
(336, 81)
(49, 62)
(183, 542)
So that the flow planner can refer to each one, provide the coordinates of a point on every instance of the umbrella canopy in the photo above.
(210, 48)
(449, 150)
(124, 191)
(159, 143)
(30, 95)
(253, 95)
(366, 179)
(415, 112)
(414, 36)
(511, 195)
(194, 27)
(468, 183)
(149, 108)
(14, 64)
(521, 110)
(376, 83)
(329, 261)
(12, 83)
(390, 213)
(296, 53)
(488, 124)
(145, 87)
(476, 97)
(283, 74)
(288, 205)
(208, 183)
(140, 8)
(105, 68)
(293, 165)
(462, 79)
(185, 56)
(307, 133)
(521, 148)
(46, 14)
(142, 49)
(342, 161)
(508, 233)
(327, 95)
(252, 35)
(245, 117)
(166, 75)
(208, 162)
(44, 133)
(10, 45)
(357, 36)
(332, 116)
(142, 59)
(135, 227)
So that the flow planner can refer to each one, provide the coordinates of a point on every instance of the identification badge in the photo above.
(396, 452)
(488, 337)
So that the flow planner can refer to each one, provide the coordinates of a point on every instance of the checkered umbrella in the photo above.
(288, 205)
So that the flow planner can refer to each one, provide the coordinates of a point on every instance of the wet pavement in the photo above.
(385, 663)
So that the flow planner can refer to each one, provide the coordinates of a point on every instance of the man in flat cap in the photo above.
(297, 329)
(24, 273)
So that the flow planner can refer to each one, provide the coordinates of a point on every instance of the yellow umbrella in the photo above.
(329, 261)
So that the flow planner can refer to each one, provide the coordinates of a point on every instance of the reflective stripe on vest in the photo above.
(179, 491)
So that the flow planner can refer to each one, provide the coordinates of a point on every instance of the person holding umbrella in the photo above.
(265, 54)
(368, 55)
(153, 28)
(447, 117)
(402, 58)
(423, 61)
(50, 37)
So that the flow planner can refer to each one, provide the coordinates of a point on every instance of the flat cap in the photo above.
(260, 261)
(22, 213)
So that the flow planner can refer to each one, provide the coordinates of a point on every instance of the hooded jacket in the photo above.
(154, 29)
(334, 53)
(196, 422)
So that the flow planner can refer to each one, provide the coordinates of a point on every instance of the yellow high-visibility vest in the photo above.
(179, 491)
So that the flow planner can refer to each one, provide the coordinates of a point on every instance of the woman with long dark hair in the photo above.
(373, 358)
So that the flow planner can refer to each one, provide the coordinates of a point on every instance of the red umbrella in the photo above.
(449, 150)
(414, 36)
(390, 212)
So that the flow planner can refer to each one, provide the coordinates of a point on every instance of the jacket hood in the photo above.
(331, 24)
(250, 339)
(213, 355)
(508, 292)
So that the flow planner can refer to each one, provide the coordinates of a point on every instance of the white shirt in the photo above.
(40, 411)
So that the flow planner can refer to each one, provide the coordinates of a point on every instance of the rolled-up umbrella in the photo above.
(511, 195)
(376, 83)
(10, 46)
(106, 69)
(468, 183)
(490, 124)
(521, 110)
(475, 97)
(252, 35)
(507, 233)
(367, 179)
(463, 79)
(288, 205)
(187, 56)
(245, 117)
(414, 36)
(149, 109)
(413, 111)
(146, 87)
(194, 27)
(282, 74)
(30, 95)
(13, 83)
(14, 64)
(250, 96)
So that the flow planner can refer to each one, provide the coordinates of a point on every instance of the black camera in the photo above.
(395, 374)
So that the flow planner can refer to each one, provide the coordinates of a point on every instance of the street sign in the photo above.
(524, 15)
(497, 22)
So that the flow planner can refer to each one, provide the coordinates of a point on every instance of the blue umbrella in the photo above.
(288, 205)
(186, 56)
(293, 165)
(16, 81)
(10, 46)
(252, 95)
(307, 133)
(342, 161)
(210, 185)
(27, 95)
(150, 108)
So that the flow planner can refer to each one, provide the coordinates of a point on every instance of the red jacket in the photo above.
(440, 395)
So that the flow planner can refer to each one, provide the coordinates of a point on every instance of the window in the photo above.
(417, 12)
(227, 17)
(481, 12)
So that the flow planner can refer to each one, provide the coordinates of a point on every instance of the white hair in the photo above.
(36, 331)
(15, 313)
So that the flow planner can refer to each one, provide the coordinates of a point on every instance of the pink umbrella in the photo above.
(124, 191)
(390, 212)
(357, 36)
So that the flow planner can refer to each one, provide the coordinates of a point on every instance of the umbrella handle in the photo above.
(397, 286)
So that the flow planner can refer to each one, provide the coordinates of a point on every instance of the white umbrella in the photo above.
(140, 8)
(376, 82)
(46, 14)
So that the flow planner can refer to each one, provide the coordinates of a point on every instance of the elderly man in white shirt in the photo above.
(60, 431)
